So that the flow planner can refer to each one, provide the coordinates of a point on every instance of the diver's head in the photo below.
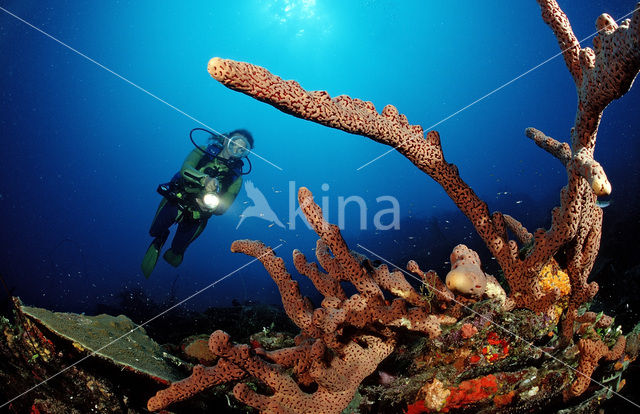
(237, 144)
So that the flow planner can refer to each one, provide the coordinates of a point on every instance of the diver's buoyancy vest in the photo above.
(225, 172)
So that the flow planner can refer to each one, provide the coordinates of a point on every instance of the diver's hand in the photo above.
(210, 184)
(202, 205)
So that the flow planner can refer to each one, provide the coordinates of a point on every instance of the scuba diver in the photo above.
(207, 184)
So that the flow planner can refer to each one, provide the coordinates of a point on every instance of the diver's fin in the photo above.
(172, 258)
(151, 256)
(150, 260)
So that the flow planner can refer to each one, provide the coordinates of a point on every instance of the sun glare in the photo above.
(286, 10)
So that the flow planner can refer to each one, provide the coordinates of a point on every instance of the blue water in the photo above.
(83, 149)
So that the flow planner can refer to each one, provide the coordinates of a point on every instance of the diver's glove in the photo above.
(210, 184)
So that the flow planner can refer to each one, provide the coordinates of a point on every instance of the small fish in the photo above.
(271, 225)
(519, 202)
(603, 203)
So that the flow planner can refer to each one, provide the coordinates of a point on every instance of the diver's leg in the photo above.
(166, 215)
(188, 231)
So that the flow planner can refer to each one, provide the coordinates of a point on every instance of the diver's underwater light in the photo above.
(211, 200)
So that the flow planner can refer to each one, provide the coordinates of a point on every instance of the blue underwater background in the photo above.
(84, 149)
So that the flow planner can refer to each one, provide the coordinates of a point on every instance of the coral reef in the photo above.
(344, 340)
(335, 329)
(476, 362)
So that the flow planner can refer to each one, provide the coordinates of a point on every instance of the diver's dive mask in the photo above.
(237, 146)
